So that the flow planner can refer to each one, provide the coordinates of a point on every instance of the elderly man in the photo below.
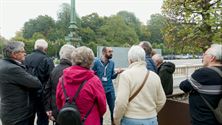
(15, 86)
(40, 65)
(140, 95)
(205, 83)
(165, 70)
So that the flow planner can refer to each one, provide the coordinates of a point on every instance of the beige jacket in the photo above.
(149, 100)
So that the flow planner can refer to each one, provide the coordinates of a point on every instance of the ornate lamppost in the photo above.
(72, 37)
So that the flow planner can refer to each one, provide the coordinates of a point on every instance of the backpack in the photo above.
(218, 110)
(69, 114)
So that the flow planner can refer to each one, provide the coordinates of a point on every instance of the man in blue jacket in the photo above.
(104, 69)
(150, 65)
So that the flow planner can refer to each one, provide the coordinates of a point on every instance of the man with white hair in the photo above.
(165, 70)
(140, 95)
(205, 83)
(40, 65)
(50, 89)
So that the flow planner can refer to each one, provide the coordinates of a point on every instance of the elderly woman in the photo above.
(50, 89)
(92, 95)
(143, 108)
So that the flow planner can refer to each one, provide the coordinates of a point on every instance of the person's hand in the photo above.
(119, 70)
(50, 116)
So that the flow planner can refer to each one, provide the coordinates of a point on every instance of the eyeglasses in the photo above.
(22, 51)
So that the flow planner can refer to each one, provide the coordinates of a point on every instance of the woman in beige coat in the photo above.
(143, 108)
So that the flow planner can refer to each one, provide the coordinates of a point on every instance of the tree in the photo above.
(193, 23)
(42, 24)
(2, 42)
(155, 26)
(145, 33)
(63, 22)
(90, 26)
(131, 20)
(116, 32)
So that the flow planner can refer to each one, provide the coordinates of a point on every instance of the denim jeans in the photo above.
(132, 121)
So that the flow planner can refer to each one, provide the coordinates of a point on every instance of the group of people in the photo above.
(31, 86)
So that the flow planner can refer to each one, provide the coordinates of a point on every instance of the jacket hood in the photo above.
(77, 74)
(168, 66)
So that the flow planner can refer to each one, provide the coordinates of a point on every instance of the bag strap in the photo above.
(216, 70)
(208, 104)
(144, 81)
(77, 93)
(87, 114)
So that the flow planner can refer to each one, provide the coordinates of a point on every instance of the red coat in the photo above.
(91, 92)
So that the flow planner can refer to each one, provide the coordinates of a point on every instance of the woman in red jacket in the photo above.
(92, 94)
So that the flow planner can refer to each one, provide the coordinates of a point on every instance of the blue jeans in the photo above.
(132, 121)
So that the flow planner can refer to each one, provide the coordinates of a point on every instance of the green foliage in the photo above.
(90, 26)
(193, 25)
(131, 20)
(62, 24)
(155, 26)
(2, 43)
(42, 24)
(115, 32)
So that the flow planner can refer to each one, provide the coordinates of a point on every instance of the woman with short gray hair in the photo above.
(91, 101)
(141, 108)
(83, 56)
(50, 89)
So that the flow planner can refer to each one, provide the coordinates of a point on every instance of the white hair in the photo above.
(158, 58)
(216, 50)
(41, 44)
(136, 54)
(66, 51)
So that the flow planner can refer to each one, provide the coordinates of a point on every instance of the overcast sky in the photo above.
(14, 13)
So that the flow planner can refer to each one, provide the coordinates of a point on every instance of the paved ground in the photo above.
(106, 119)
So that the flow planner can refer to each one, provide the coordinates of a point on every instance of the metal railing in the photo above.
(186, 70)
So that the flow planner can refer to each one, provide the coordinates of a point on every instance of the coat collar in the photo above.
(14, 62)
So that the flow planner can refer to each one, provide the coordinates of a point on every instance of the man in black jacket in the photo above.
(165, 70)
(15, 86)
(40, 65)
(207, 83)
(50, 89)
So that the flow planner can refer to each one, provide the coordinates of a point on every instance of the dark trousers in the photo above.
(42, 118)
(25, 122)
(110, 97)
